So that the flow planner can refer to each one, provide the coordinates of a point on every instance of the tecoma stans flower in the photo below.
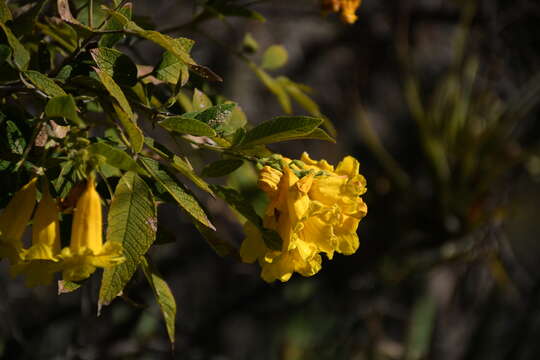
(86, 250)
(314, 208)
(39, 261)
(13, 221)
(347, 8)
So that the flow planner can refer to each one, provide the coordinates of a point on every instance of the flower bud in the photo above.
(86, 229)
(86, 250)
(13, 221)
(45, 230)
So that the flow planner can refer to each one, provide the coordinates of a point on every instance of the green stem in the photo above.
(91, 13)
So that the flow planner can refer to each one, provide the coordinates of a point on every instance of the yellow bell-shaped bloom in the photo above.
(39, 262)
(13, 221)
(314, 208)
(86, 250)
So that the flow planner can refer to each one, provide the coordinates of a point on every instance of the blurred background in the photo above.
(437, 99)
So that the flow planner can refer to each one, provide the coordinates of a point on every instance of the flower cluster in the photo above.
(347, 9)
(314, 208)
(45, 257)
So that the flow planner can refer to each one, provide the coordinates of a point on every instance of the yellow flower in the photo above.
(38, 262)
(314, 208)
(86, 250)
(346, 7)
(13, 221)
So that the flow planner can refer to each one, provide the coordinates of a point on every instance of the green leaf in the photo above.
(65, 14)
(15, 138)
(218, 117)
(249, 44)
(319, 134)
(275, 87)
(221, 247)
(222, 167)
(178, 164)
(185, 125)
(25, 23)
(298, 93)
(59, 31)
(132, 221)
(116, 64)
(300, 96)
(64, 106)
(165, 41)
(115, 91)
(200, 101)
(116, 157)
(274, 57)
(170, 44)
(171, 68)
(5, 53)
(178, 192)
(44, 83)
(164, 297)
(238, 202)
(283, 128)
(185, 169)
(109, 40)
(421, 328)
(21, 56)
(135, 134)
(5, 13)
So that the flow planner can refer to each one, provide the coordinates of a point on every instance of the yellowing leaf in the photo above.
(5, 13)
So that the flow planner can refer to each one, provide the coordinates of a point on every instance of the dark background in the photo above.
(445, 270)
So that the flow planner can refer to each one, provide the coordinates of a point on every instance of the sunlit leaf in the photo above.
(178, 192)
(132, 221)
(185, 125)
(116, 64)
(221, 167)
(44, 83)
(200, 100)
(115, 157)
(285, 128)
(115, 91)
(134, 133)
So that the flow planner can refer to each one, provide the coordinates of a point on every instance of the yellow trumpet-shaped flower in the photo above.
(314, 208)
(13, 221)
(39, 261)
(86, 250)
(347, 8)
